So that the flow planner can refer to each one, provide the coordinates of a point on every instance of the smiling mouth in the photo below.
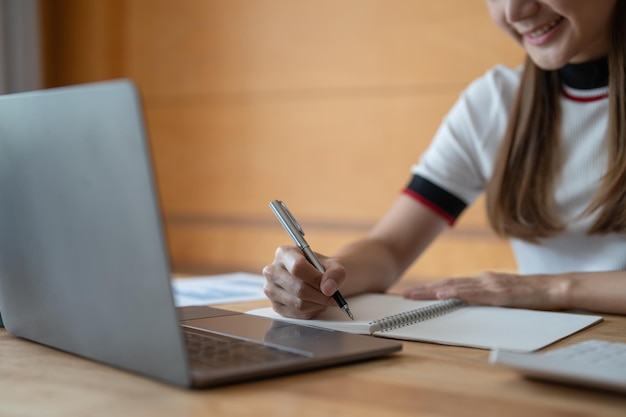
(544, 29)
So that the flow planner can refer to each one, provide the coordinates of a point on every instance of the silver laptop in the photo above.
(83, 258)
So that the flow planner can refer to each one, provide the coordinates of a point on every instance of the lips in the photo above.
(542, 33)
(536, 33)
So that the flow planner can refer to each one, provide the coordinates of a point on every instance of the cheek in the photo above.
(496, 11)
(506, 28)
(513, 34)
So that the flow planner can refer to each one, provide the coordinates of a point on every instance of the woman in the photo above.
(547, 143)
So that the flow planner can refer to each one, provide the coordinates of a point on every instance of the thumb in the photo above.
(333, 278)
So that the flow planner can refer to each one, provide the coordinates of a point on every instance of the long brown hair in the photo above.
(520, 194)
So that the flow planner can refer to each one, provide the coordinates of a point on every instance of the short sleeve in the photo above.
(461, 157)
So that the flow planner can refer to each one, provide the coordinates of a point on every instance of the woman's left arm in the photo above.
(594, 291)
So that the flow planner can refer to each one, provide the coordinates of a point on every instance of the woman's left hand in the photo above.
(543, 292)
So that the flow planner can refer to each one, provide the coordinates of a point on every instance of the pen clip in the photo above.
(290, 224)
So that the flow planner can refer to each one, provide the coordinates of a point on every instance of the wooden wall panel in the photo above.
(207, 247)
(322, 103)
(252, 46)
(328, 155)
(82, 40)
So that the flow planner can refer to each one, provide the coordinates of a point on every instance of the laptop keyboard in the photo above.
(208, 350)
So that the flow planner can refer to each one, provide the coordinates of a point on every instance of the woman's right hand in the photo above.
(296, 288)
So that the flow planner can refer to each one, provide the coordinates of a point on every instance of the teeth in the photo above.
(546, 28)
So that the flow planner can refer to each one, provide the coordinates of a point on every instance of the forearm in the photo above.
(378, 261)
(369, 267)
(595, 291)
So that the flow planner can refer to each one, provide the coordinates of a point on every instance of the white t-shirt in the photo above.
(461, 158)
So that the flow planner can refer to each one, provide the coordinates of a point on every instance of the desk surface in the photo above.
(424, 379)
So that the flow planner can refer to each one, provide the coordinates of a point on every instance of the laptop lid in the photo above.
(83, 258)
(83, 266)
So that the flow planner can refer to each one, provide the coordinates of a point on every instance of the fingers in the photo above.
(443, 289)
(293, 285)
(487, 288)
(333, 278)
(491, 288)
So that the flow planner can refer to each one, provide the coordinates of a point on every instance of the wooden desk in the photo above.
(422, 380)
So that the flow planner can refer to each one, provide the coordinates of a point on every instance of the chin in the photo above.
(550, 66)
(548, 63)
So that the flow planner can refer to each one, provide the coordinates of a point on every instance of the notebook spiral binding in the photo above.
(415, 316)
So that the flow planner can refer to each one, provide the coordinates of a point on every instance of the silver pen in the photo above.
(297, 234)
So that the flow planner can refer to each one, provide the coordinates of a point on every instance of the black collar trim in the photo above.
(586, 76)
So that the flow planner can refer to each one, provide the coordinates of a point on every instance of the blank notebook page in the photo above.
(473, 326)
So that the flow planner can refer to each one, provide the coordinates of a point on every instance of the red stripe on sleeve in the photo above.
(430, 205)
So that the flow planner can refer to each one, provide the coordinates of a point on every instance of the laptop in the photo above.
(83, 258)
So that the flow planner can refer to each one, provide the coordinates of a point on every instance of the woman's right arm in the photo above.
(373, 264)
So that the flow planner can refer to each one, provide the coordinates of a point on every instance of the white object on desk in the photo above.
(592, 363)
(218, 289)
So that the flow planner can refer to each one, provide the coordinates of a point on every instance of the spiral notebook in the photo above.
(449, 322)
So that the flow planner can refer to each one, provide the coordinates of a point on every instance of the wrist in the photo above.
(562, 290)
